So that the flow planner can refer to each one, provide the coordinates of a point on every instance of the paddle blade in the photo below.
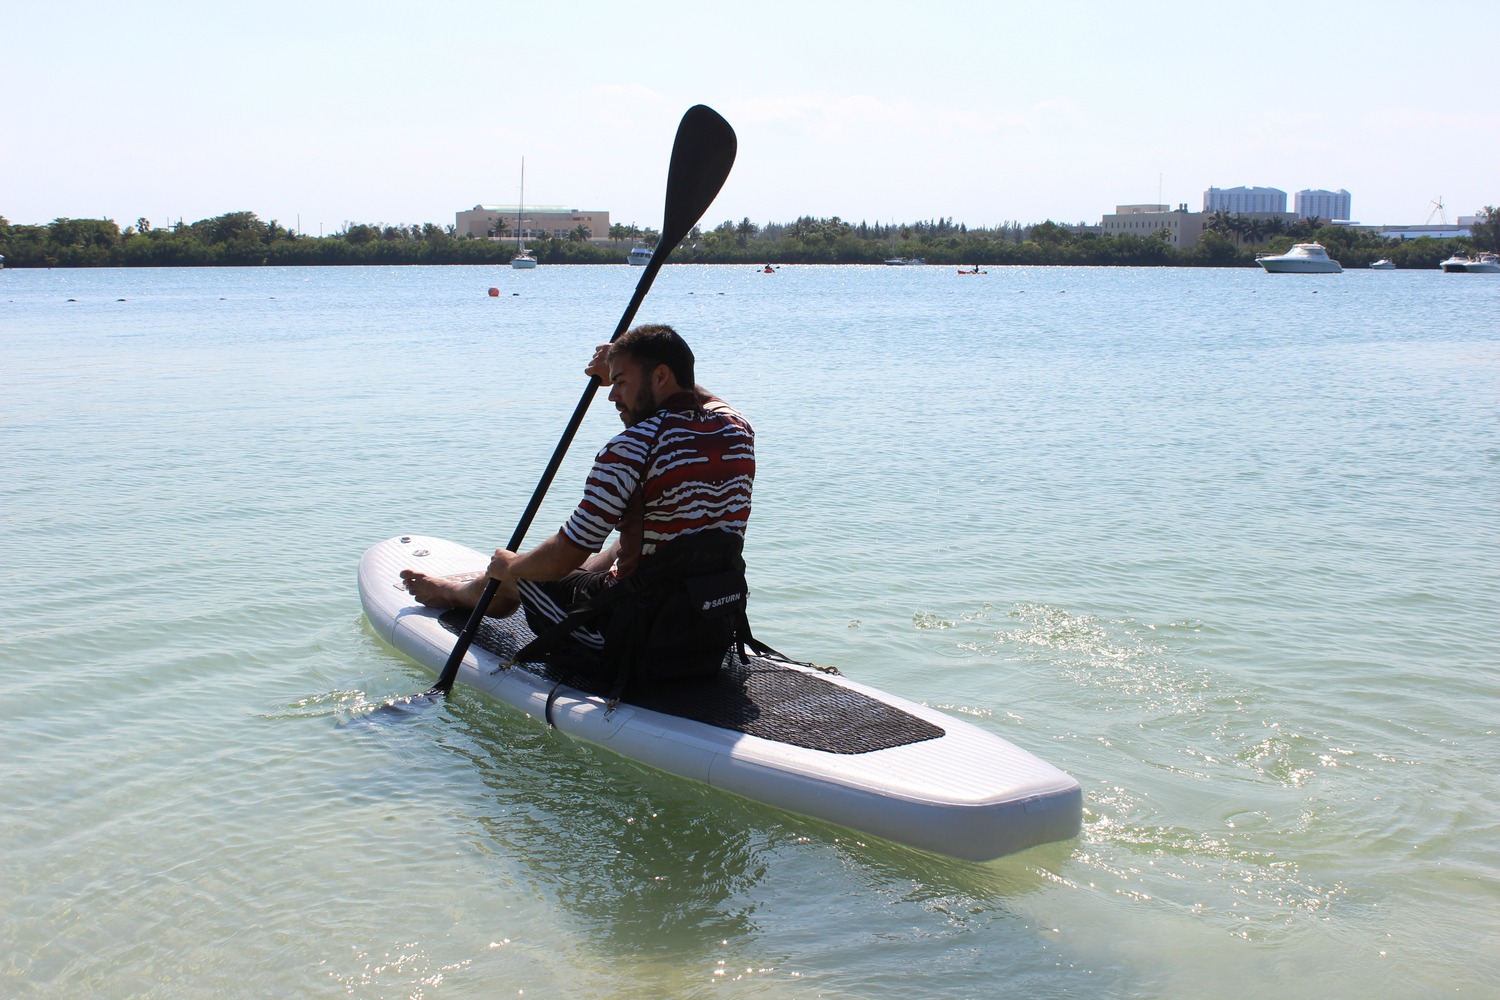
(398, 709)
(702, 155)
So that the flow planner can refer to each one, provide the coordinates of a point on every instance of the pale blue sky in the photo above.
(879, 111)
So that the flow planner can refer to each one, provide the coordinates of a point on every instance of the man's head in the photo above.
(646, 366)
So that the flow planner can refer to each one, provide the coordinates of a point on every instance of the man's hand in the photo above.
(598, 365)
(500, 565)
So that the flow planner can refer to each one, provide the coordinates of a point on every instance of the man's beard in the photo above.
(645, 406)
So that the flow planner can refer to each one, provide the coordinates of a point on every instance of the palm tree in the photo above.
(1220, 223)
(1238, 225)
(1486, 231)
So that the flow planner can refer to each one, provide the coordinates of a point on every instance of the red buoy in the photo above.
(494, 293)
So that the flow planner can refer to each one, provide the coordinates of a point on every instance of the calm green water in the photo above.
(1223, 545)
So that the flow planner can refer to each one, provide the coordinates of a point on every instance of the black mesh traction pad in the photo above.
(763, 698)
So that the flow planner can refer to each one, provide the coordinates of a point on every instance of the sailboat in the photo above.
(523, 257)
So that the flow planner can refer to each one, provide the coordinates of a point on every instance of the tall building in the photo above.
(1244, 200)
(1327, 205)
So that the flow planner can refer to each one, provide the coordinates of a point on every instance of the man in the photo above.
(683, 468)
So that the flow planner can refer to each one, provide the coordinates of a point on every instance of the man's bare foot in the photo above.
(461, 591)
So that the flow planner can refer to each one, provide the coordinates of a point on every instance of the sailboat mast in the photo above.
(523, 258)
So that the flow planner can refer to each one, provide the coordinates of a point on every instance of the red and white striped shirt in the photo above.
(687, 468)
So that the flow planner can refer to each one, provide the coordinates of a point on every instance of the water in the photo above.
(1223, 545)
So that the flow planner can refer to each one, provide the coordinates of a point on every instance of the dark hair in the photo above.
(655, 344)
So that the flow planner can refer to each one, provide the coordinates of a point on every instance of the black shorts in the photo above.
(547, 602)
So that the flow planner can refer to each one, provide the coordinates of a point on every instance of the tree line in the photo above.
(243, 239)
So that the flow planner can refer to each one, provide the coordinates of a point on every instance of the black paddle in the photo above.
(702, 154)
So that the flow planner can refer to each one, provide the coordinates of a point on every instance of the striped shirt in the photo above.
(687, 468)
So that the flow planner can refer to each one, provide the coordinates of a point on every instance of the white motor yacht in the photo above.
(1383, 264)
(1304, 258)
(1485, 263)
(1457, 264)
(639, 256)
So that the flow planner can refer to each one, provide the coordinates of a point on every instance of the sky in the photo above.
(325, 112)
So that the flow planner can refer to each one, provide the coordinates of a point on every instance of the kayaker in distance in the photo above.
(676, 485)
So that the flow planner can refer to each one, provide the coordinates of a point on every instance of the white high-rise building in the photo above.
(1327, 205)
(1244, 200)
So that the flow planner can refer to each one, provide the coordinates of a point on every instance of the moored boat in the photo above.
(1383, 264)
(1457, 264)
(524, 259)
(1485, 263)
(639, 256)
(906, 261)
(1304, 258)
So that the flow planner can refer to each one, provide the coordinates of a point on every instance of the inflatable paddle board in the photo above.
(780, 733)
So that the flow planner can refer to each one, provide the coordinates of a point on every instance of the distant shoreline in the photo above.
(240, 239)
(505, 264)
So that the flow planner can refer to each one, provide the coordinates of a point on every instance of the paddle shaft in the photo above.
(471, 627)
(701, 157)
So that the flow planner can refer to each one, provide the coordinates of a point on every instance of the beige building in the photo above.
(1184, 228)
(552, 220)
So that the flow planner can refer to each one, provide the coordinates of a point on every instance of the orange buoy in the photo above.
(494, 293)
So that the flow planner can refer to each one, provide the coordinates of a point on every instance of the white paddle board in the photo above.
(784, 734)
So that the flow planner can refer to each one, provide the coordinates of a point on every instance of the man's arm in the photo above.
(553, 559)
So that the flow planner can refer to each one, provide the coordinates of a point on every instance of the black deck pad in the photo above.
(764, 698)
